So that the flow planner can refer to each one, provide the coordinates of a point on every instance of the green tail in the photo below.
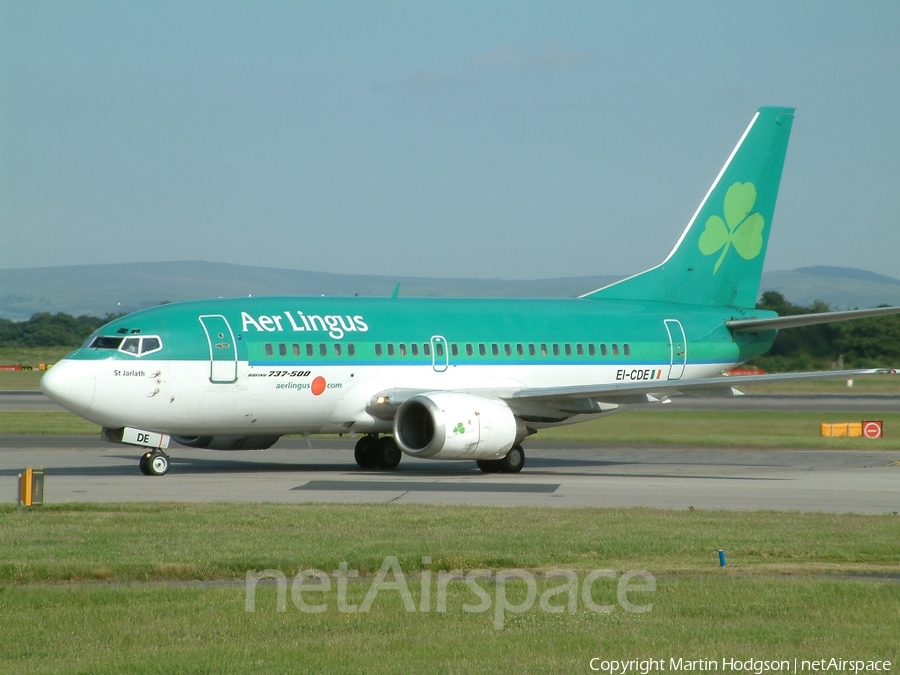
(719, 258)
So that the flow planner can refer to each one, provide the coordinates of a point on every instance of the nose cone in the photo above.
(70, 384)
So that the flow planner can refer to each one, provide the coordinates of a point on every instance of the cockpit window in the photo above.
(104, 342)
(138, 346)
(131, 346)
(150, 344)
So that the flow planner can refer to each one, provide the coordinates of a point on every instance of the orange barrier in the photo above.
(864, 429)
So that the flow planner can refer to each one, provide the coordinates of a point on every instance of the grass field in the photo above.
(178, 604)
(697, 428)
(885, 385)
(31, 356)
(726, 429)
(20, 380)
(45, 422)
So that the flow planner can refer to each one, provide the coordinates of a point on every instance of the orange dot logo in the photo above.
(318, 386)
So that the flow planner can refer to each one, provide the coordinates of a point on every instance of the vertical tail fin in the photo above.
(719, 258)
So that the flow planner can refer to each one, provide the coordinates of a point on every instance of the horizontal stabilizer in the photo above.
(779, 322)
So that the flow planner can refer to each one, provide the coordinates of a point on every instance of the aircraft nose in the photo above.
(70, 384)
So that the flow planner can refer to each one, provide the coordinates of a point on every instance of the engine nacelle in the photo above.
(445, 425)
(228, 442)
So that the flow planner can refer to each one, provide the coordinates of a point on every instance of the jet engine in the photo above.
(447, 425)
(228, 442)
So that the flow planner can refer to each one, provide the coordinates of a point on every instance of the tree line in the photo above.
(864, 343)
(49, 330)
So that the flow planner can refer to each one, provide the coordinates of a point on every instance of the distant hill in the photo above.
(102, 289)
(840, 287)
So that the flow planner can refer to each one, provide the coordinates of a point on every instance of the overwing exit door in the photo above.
(440, 358)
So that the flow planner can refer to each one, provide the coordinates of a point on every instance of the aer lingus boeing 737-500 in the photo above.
(448, 378)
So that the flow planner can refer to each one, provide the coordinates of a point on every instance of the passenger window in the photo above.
(414, 348)
(555, 349)
(579, 349)
(469, 350)
(495, 349)
(282, 349)
(323, 349)
(351, 349)
(426, 349)
(626, 349)
(309, 349)
(296, 349)
(482, 350)
(592, 350)
(520, 351)
(378, 349)
(337, 348)
(543, 349)
(149, 344)
(402, 348)
(531, 351)
(507, 349)
(615, 349)
(390, 349)
(439, 349)
(269, 350)
(568, 350)
(602, 350)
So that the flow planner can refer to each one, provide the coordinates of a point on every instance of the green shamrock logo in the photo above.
(740, 228)
(459, 429)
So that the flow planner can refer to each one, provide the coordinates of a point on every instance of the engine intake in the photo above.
(447, 425)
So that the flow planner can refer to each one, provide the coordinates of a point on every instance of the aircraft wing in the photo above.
(701, 387)
(561, 402)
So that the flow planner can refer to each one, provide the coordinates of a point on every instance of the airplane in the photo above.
(454, 379)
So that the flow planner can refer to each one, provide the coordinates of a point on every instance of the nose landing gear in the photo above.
(154, 463)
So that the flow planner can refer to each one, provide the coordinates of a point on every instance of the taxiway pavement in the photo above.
(81, 468)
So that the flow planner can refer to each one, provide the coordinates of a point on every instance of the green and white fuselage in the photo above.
(448, 378)
(249, 366)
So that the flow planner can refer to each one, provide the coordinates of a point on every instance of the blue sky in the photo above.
(513, 140)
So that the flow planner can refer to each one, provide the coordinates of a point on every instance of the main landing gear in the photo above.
(512, 463)
(155, 463)
(372, 452)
